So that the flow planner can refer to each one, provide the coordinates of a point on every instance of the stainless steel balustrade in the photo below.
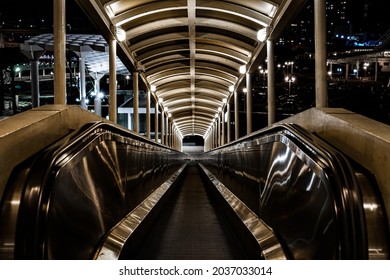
(313, 201)
(318, 203)
(61, 203)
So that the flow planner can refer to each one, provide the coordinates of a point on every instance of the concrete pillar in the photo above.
(218, 122)
(173, 136)
(248, 103)
(213, 136)
(98, 100)
(170, 133)
(357, 68)
(82, 84)
(347, 71)
(156, 121)
(271, 81)
(148, 114)
(34, 75)
(136, 101)
(228, 136)
(376, 69)
(166, 129)
(222, 127)
(236, 117)
(320, 53)
(162, 126)
(59, 52)
(113, 111)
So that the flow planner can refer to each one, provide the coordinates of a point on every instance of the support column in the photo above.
(236, 117)
(173, 136)
(222, 127)
(228, 122)
(271, 81)
(136, 101)
(347, 71)
(156, 121)
(218, 122)
(357, 68)
(320, 53)
(213, 136)
(248, 103)
(83, 91)
(171, 132)
(59, 52)
(113, 82)
(148, 114)
(166, 129)
(376, 69)
(98, 100)
(162, 126)
(34, 75)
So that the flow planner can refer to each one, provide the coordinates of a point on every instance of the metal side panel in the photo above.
(269, 246)
(303, 188)
(122, 232)
(76, 190)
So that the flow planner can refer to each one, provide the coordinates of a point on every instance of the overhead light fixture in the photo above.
(242, 69)
(153, 88)
(224, 101)
(262, 34)
(231, 88)
(160, 100)
(120, 34)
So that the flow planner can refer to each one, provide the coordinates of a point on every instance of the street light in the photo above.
(289, 80)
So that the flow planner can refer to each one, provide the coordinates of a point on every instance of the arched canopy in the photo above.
(191, 50)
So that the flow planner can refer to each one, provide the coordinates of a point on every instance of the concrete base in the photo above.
(25, 134)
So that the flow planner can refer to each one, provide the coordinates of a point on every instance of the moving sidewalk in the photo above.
(104, 193)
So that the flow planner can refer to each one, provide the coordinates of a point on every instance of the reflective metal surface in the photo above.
(62, 203)
(305, 190)
(374, 213)
(269, 244)
(78, 189)
(116, 239)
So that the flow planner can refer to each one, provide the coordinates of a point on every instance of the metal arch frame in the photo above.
(192, 49)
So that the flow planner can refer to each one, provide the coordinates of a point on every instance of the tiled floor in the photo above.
(189, 227)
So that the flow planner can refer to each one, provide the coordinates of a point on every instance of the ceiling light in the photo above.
(120, 34)
(242, 69)
(262, 34)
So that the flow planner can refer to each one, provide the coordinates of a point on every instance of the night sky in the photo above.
(36, 11)
(375, 19)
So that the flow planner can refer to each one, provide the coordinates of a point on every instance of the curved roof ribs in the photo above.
(191, 50)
